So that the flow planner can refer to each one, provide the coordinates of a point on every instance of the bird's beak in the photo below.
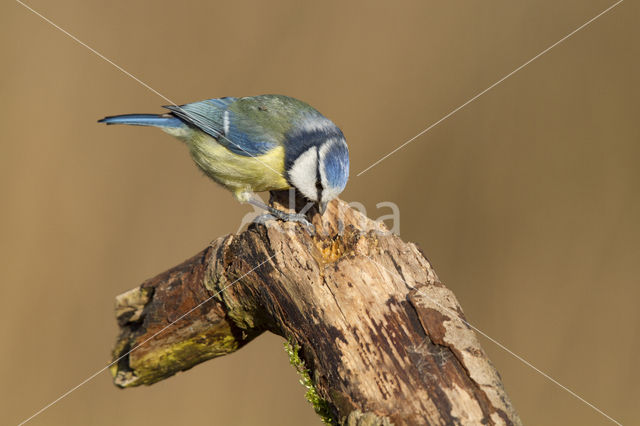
(322, 206)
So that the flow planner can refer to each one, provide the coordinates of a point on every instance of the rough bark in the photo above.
(378, 337)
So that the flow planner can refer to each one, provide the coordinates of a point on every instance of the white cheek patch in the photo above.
(303, 173)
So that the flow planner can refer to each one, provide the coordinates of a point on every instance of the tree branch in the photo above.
(376, 336)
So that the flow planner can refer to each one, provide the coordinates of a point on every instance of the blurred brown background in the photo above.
(526, 201)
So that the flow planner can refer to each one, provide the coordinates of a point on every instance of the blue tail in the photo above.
(154, 120)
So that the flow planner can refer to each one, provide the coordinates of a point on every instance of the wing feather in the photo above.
(235, 131)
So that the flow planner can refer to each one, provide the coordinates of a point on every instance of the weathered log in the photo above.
(376, 336)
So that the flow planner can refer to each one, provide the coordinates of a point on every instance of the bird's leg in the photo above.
(279, 214)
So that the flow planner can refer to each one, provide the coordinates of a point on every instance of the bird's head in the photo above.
(317, 161)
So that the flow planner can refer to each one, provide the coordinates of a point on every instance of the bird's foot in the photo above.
(281, 215)
(285, 217)
(263, 218)
(300, 218)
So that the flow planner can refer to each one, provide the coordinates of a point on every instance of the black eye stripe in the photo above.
(318, 178)
(298, 141)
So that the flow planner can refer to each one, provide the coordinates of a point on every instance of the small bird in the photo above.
(258, 143)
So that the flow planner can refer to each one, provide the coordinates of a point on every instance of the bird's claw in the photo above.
(300, 218)
(286, 217)
(263, 218)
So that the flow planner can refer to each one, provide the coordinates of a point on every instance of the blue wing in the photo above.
(153, 120)
(234, 131)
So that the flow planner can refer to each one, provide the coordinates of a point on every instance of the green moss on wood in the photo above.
(165, 361)
(321, 406)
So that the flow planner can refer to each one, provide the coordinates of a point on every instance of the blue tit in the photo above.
(258, 143)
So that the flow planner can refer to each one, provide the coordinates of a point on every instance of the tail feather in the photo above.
(154, 120)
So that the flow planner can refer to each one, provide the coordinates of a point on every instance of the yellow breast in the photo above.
(238, 173)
